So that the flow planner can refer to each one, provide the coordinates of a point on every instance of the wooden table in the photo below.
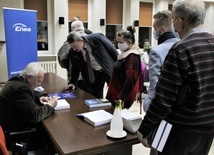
(71, 135)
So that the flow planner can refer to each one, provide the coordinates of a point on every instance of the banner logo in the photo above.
(19, 27)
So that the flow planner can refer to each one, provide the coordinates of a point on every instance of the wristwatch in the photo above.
(139, 135)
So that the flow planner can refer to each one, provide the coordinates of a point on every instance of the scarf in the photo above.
(133, 50)
(165, 36)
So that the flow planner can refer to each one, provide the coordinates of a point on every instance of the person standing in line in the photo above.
(77, 18)
(162, 25)
(93, 55)
(189, 63)
(124, 82)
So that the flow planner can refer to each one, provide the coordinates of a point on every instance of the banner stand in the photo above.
(21, 38)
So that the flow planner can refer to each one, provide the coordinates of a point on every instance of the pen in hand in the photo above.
(49, 100)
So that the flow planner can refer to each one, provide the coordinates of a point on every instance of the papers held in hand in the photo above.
(97, 117)
(92, 103)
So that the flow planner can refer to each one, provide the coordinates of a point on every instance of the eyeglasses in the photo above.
(36, 79)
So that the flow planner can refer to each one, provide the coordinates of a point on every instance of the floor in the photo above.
(139, 149)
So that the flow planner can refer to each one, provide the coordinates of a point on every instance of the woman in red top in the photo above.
(124, 79)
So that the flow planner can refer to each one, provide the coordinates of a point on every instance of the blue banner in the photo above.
(21, 38)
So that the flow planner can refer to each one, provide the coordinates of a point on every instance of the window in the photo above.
(42, 35)
(145, 23)
(144, 33)
(111, 31)
(42, 25)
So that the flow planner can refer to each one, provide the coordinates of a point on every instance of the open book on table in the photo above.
(97, 117)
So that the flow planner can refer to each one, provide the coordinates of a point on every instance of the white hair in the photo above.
(192, 11)
(77, 26)
(33, 69)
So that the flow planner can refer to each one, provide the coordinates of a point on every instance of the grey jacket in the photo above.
(156, 59)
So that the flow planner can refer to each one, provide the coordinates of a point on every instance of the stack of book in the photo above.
(96, 118)
(62, 104)
(92, 103)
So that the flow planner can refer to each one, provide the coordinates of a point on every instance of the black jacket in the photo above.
(18, 110)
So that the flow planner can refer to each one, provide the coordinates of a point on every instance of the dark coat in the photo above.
(18, 110)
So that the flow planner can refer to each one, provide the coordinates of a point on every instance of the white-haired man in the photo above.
(18, 110)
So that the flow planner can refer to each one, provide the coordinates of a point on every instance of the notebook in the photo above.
(159, 137)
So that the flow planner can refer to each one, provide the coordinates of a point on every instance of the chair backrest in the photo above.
(3, 149)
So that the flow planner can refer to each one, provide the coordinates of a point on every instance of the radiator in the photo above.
(49, 66)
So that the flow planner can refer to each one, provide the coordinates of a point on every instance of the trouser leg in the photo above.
(187, 143)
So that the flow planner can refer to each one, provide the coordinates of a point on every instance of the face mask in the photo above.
(155, 35)
(123, 46)
(175, 33)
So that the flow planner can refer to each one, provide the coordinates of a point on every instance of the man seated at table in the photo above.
(18, 110)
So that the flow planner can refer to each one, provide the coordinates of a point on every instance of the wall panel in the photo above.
(40, 6)
(145, 17)
(78, 8)
(114, 12)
